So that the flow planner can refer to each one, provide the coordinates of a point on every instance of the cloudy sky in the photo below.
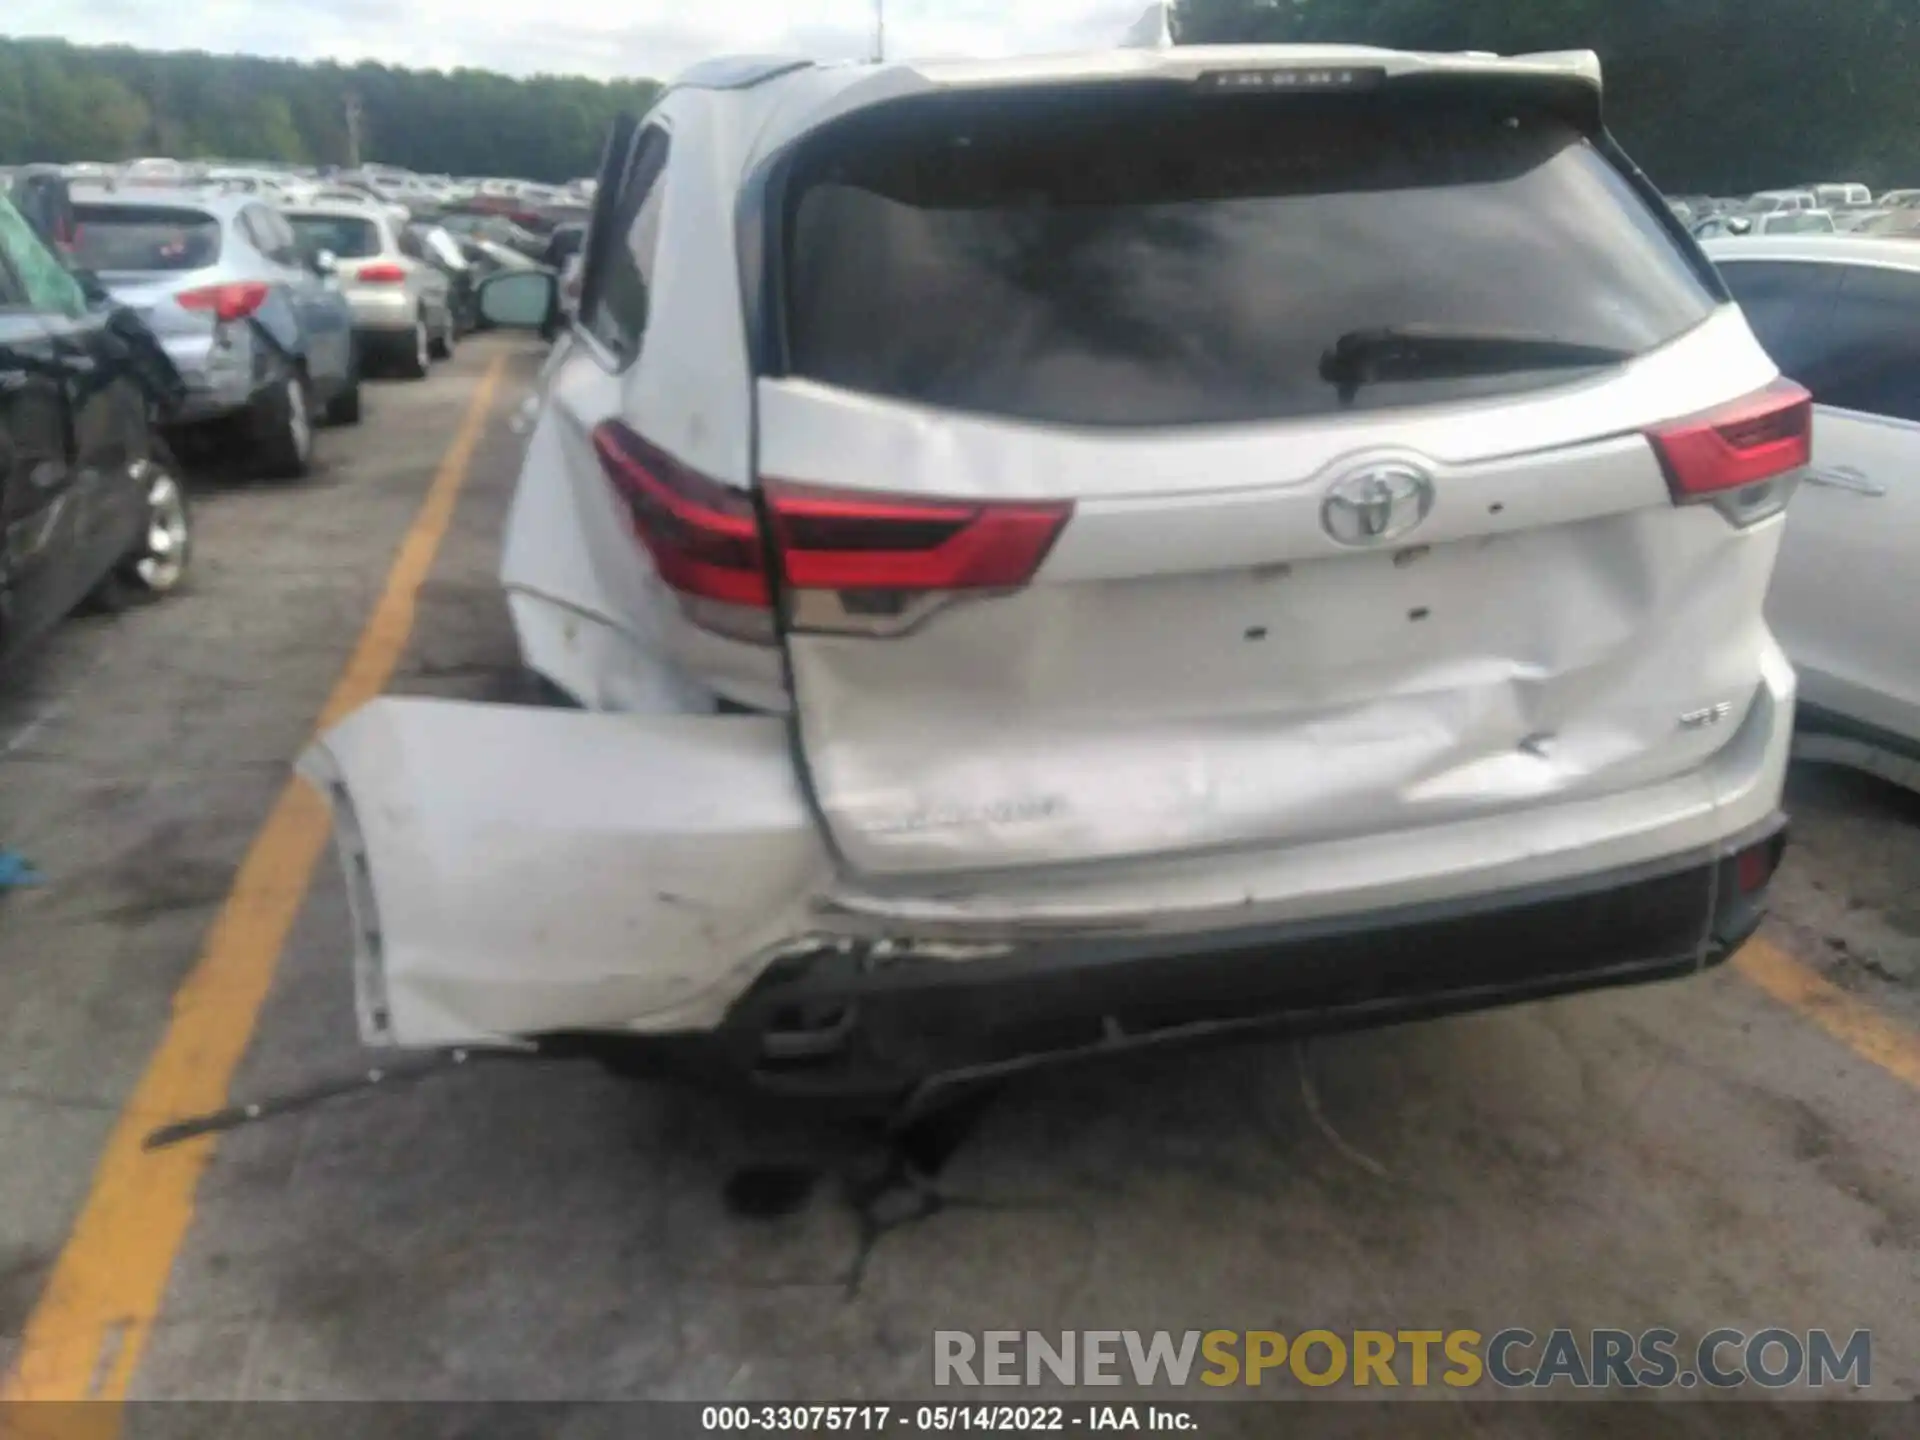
(591, 37)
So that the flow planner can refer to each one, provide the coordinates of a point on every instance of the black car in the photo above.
(91, 503)
(563, 244)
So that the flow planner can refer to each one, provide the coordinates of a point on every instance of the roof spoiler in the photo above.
(1585, 64)
(1152, 31)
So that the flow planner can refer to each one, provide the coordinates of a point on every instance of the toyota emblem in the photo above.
(1378, 504)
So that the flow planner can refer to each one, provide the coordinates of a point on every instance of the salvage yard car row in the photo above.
(145, 325)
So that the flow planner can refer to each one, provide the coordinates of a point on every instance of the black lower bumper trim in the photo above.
(840, 1024)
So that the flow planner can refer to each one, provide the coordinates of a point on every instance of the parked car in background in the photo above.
(563, 244)
(258, 335)
(1901, 199)
(1768, 202)
(1848, 222)
(1894, 225)
(402, 305)
(1794, 222)
(441, 248)
(497, 230)
(91, 503)
(275, 189)
(158, 170)
(1841, 196)
(1175, 562)
(1715, 226)
(43, 194)
(1842, 317)
(487, 258)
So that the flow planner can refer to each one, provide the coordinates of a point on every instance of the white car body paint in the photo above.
(647, 866)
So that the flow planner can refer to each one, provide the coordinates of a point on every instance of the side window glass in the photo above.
(1875, 367)
(614, 311)
(410, 246)
(249, 222)
(1789, 307)
(269, 234)
(285, 244)
(43, 279)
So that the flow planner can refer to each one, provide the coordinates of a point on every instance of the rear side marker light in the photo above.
(847, 560)
(1743, 457)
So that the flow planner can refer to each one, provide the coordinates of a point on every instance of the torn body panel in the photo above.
(516, 871)
(1200, 665)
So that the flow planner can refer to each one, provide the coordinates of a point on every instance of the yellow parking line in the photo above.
(85, 1337)
(1854, 1023)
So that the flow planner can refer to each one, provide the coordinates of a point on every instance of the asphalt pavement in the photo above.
(1741, 1149)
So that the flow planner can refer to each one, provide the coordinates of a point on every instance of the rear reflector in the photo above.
(1765, 435)
(1754, 866)
(875, 553)
(381, 273)
(227, 302)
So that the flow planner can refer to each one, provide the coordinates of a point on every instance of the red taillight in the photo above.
(840, 540)
(383, 272)
(706, 542)
(703, 536)
(1755, 439)
(227, 302)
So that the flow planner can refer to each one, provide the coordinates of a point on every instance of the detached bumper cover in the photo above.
(514, 871)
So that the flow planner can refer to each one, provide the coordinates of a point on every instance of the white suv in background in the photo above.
(1062, 554)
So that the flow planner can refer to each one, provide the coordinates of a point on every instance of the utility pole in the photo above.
(879, 31)
(354, 116)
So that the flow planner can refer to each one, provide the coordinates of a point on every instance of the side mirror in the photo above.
(325, 262)
(516, 299)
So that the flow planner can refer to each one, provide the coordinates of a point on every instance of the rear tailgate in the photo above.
(1092, 544)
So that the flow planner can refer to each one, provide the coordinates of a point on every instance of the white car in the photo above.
(1062, 554)
(1795, 222)
(1842, 316)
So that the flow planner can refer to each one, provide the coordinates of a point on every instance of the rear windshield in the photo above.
(350, 237)
(1093, 259)
(140, 237)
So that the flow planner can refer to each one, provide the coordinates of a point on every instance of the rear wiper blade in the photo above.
(1421, 352)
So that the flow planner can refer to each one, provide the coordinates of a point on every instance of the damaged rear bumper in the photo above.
(595, 880)
(913, 1021)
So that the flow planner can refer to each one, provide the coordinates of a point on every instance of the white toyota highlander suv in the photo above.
(1060, 554)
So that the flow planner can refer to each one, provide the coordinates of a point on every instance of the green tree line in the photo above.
(1717, 96)
(1725, 96)
(61, 102)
